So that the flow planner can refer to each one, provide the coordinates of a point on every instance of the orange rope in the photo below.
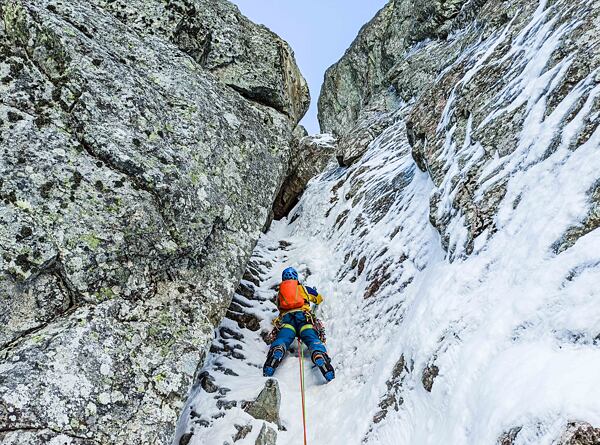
(301, 358)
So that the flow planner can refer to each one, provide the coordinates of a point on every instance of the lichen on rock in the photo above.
(266, 405)
(249, 58)
(266, 436)
(135, 180)
(310, 156)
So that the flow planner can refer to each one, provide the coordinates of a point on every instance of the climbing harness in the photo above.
(301, 358)
(312, 322)
(271, 336)
(317, 324)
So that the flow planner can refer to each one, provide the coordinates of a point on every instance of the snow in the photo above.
(324, 140)
(513, 327)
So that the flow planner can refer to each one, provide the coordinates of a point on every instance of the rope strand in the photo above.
(301, 359)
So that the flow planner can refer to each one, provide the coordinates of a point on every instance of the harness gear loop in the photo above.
(316, 324)
(301, 358)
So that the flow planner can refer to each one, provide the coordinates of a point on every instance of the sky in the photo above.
(319, 32)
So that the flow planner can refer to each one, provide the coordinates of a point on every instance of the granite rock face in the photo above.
(481, 109)
(267, 403)
(266, 436)
(462, 74)
(310, 157)
(354, 81)
(498, 104)
(136, 175)
(249, 58)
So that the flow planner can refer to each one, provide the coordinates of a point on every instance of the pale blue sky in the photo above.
(319, 32)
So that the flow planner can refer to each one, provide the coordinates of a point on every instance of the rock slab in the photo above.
(267, 403)
(135, 178)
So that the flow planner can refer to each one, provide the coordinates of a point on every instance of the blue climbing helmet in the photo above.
(289, 274)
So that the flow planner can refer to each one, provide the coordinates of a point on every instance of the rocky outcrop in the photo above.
(461, 95)
(310, 157)
(509, 437)
(498, 102)
(482, 113)
(428, 377)
(355, 81)
(249, 58)
(215, 397)
(266, 405)
(266, 436)
(372, 122)
(391, 399)
(576, 433)
(580, 433)
(136, 175)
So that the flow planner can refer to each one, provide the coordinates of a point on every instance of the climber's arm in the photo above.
(313, 295)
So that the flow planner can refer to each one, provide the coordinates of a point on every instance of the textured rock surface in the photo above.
(580, 433)
(463, 98)
(266, 405)
(487, 117)
(510, 436)
(310, 157)
(355, 80)
(266, 436)
(499, 102)
(133, 186)
(247, 57)
(215, 411)
(391, 398)
(576, 433)
(371, 123)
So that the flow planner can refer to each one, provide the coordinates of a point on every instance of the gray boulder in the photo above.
(267, 403)
(266, 436)
(310, 157)
(134, 184)
(249, 58)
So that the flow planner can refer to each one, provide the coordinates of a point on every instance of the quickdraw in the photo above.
(320, 328)
(271, 336)
(317, 325)
(311, 318)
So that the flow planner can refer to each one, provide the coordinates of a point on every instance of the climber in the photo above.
(297, 319)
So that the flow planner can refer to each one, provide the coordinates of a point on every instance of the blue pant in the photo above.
(295, 324)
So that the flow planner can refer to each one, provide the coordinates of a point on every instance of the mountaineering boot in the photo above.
(273, 359)
(322, 360)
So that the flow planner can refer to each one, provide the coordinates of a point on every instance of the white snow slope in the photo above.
(512, 328)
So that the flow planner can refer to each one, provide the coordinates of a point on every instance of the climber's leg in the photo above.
(318, 351)
(284, 339)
